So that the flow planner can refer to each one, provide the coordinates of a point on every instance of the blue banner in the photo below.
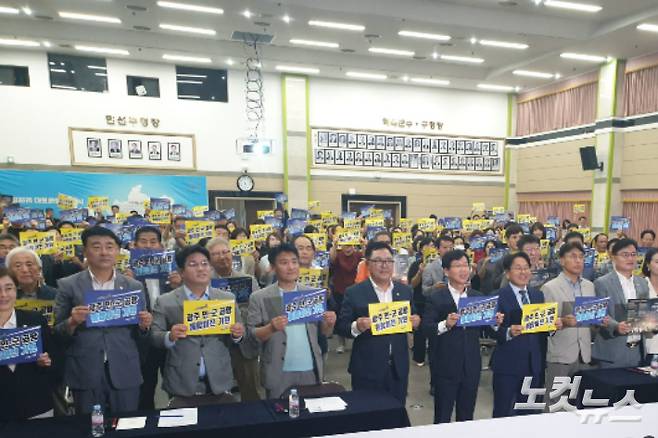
(125, 233)
(149, 263)
(160, 204)
(305, 306)
(451, 223)
(477, 311)
(17, 215)
(20, 345)
(75, 215)
(111, 308)
(590, 310)
(241, 287)
(39, 189)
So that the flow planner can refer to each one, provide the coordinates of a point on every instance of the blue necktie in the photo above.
(524, 297)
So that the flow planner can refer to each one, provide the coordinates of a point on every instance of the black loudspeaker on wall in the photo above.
(588, 158)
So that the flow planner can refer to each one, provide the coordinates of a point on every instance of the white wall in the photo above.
(34, 120)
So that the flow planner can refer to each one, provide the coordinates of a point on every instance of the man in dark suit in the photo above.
(102, 365)
(455, 351)
(377, 362)
(517, 355)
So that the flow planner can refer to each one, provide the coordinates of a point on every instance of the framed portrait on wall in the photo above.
(358, 158)
(155, 150)
(399, 144)
(340, 157)
(436, 162)
(395, 160)
(323, 139)
(425, 162)
(468, 149)
(381, 142)
(460, 147)
(479, 163)
(445, 162)
(386, 160)
(377, 159)
(361, 141)
(434, 148)
(349, 158)
(333, 140)
(390, 144)
(371, 142)
(135, 150)
(319, 156)
(425, 145)
(404, 161)
(454, 162)
(342, 140)
(351, 141)
(477, 148)
(114, 148)
(443, 146)
(462, 163)
(493, 148)
(408, 144)
(487, 164)
(368, 159)
(485, 148)
(173, 151)
(329, 156)
(495, 164)
(470, 163)
(452, 147)
(94, 149)
(418, 145)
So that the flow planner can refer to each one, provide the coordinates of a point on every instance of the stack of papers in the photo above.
(131, 423)
(325, 404)
(178, 417)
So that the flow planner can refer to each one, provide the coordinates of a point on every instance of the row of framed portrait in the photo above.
(403, 160)
(405, 143)
(134, 148)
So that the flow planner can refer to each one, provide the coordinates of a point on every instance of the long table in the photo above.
(366, 410)
(612, 383)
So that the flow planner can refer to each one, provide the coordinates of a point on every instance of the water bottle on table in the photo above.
(97, 426)
(293, 404)
(654, 365)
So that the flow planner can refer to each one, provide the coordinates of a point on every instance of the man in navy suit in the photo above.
(377, 362)
(455, 350)
(517, 355)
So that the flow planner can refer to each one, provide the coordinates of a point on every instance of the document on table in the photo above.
(178, 417)
(131, 423)
(325, 404)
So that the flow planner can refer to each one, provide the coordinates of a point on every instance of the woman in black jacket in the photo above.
(25, 387)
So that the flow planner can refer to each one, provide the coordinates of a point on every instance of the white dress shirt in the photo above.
(102, 285)
(627, 286)
(456, 295)
(651, 340)
(11, 324)
(384, 295)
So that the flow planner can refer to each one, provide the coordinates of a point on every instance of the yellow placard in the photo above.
(160, 217)
(67, 249)
(587, 234)
(71, 235)
(147, 204)
(211, 317)
(242, 247)
(429, 255)
(523, 218)
(262, 214)
(67, 202)
(479, 207)
(401, 240)
(579, 208)
(602, 258)
(197, 230)
(498, 210)
(352, 224)
(539, 318)
(44, 307)
(98, 203)
(328, 219)
(119, 217)
(199, 210)
(259, 232)
(313, 204)
(311, 277)
(349, 237)
(317, 223)
(545, 249)
(427, 224)
(469, 225)
(406, 224)
(390, 318)
(319, 240)
(123, 261)
(377, 221)
(41, 242)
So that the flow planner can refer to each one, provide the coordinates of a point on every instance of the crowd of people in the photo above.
(430, 267)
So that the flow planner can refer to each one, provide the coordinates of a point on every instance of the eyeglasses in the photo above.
(626, 255)
(380, 262)
(520, 268)
(194, 265)
(577, 257)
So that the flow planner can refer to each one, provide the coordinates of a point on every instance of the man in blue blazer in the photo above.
(377, 362)
(455, 350)
(516, 355)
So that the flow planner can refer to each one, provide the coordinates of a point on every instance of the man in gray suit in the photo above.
(290, 354)
(615, 346)
(195, 365)
(102, 365)
(569, 349)
(434, 278)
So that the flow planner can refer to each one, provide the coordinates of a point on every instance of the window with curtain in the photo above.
(562, 209)
(643, 215)
(565, 109)
(641, 91)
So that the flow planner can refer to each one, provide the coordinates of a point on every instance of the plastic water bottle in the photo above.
(97, 426)
(654, 365)
(293, 404)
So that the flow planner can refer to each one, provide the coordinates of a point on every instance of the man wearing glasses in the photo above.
(615, 346)
(377, 362)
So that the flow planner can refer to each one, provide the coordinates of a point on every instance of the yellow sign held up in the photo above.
(199, 210)
(427, 224)
(98, 203)
(123, 261)
(579, 208)
(211, 317)
(317, 223)
(319, 240)
(160, 217)
(377, 221)
(311, 277)
(429, 255)
(390, 318)
(242, 247)
(352, 224)
(67, 249)
(539, 318)
(197, 230)
(479, 207)
(41, 242)
(401, 240)
(498, 210)
(44, 307)
(405, 224)
(349, 237)
(262, 214)
(67, 202)
(328, 219)
(71, 235)
(259, 232)
(313, 204)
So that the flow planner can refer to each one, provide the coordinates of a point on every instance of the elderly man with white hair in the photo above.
(25, 266)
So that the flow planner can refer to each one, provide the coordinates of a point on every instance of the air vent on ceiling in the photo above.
(136, 8)
(372, 36)
(43, 17)
(347, 50)
(446, 44)
(261, 23)
(420, 58)
(145, 28)
(252, 37)
(66, 46)
(507, 3)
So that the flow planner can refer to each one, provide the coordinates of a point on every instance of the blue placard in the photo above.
(590, 310)
(229, 213)
(321, 259)
(241, 287)
(160, 204)
(298, 213)
(351, 215)
(477, 243)
(296, 226)
(125, 233)
(366, 210)
(213, 215)
(551, 234)
(452, 223)
(496, 254)
(274, 221)
(111, 308)
(371, 231)
(75, 215)
(477, 311)
(619, 223)
(20, 345)
(237, 263)
(149, 263)
(17, 215)
(553, 220)
(37, 214)
(178, 210)
(305, 306)
(590, 257)
(281, 198)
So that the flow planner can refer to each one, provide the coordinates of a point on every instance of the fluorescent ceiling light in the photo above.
(334, 25)
(58, 70)
(467, 59)
(362, 75)
(427, 81)
(188, 96)
(533, 74)
(648, 27)
(286, 18)
(96, 67)
(20, 43)
(47, 44)
(504, 44)
(396, 52)
(27, 10)
(583, 57)
(105, 50)
(493, 87)
(296, 69)
(8, 10)
(190, 7)
(101, 74)
(186, 81)
(229, 61)
(582, 7)
(188, 29)
(183, 58)
(64, 87)
(314, 43)
(247, 13)
(88, 17)
(424, 35)
(189, 75)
